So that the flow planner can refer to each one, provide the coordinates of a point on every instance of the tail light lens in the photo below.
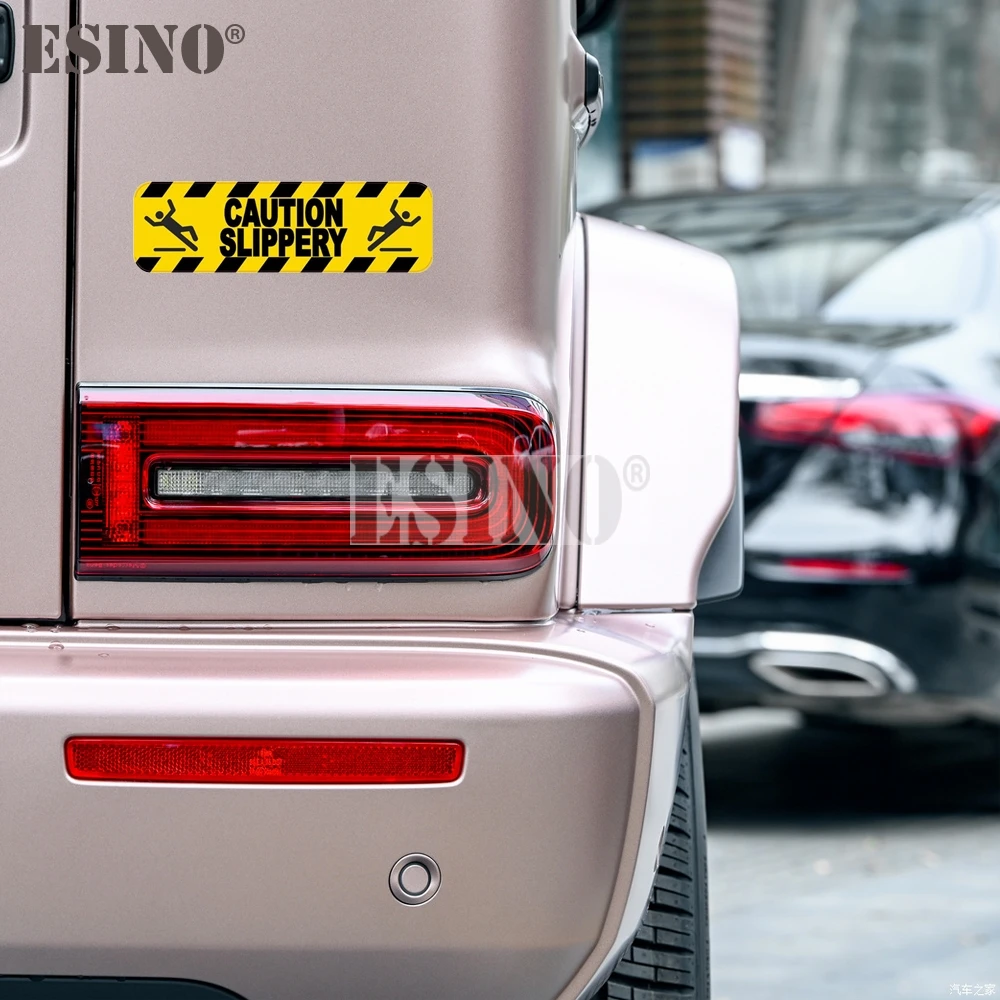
(925, 430)
(264, 762)
(320, 483)
(833, 571)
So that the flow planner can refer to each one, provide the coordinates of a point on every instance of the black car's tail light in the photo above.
(313, 483)
(927, 430)
(796, 569)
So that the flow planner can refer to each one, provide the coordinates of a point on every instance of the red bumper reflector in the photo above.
(265, 762)
(313, 483)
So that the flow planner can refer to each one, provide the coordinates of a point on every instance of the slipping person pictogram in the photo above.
(398, 221)
(173, 226)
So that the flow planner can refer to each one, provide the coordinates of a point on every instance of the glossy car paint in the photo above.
(662, 350)
(332, 90)
(547, 845)
(34, 135)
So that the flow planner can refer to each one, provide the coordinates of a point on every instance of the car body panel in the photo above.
(547, 844)
(34, 145)
(661, 381)
(484, 315)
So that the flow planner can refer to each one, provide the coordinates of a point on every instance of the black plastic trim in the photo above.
(721, 577)
(8, 42)
(86, 988)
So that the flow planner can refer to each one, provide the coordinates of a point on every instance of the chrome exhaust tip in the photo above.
(814, 665)
(819, 675)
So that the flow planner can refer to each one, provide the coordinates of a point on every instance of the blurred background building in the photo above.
(742, 93)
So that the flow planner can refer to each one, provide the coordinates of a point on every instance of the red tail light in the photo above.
(313, 483)
(926, 430)
(834, 571)
(265, 762)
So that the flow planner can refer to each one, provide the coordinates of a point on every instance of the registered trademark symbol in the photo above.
(636, 473)
(235, 33)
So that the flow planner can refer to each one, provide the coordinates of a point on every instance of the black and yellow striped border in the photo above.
(186, 191)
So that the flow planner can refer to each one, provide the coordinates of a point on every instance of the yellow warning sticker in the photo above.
(283, 227)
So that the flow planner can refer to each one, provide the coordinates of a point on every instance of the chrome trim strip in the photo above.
(818, 651)
(762, 387)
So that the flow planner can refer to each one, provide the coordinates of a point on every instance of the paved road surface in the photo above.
(851, 866)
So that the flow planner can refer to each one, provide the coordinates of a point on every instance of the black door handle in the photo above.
(6, 42)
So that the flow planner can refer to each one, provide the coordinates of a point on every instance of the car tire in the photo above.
(669, 956)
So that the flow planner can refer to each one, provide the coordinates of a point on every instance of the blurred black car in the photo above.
(870, 408)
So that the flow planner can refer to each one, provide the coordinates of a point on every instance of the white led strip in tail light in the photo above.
(430, 480)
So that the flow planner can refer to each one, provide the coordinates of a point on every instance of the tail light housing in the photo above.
(313, 483)
(925, 430)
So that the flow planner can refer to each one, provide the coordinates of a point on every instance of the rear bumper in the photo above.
(547, 844)
(822, 673)
(936, 630)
